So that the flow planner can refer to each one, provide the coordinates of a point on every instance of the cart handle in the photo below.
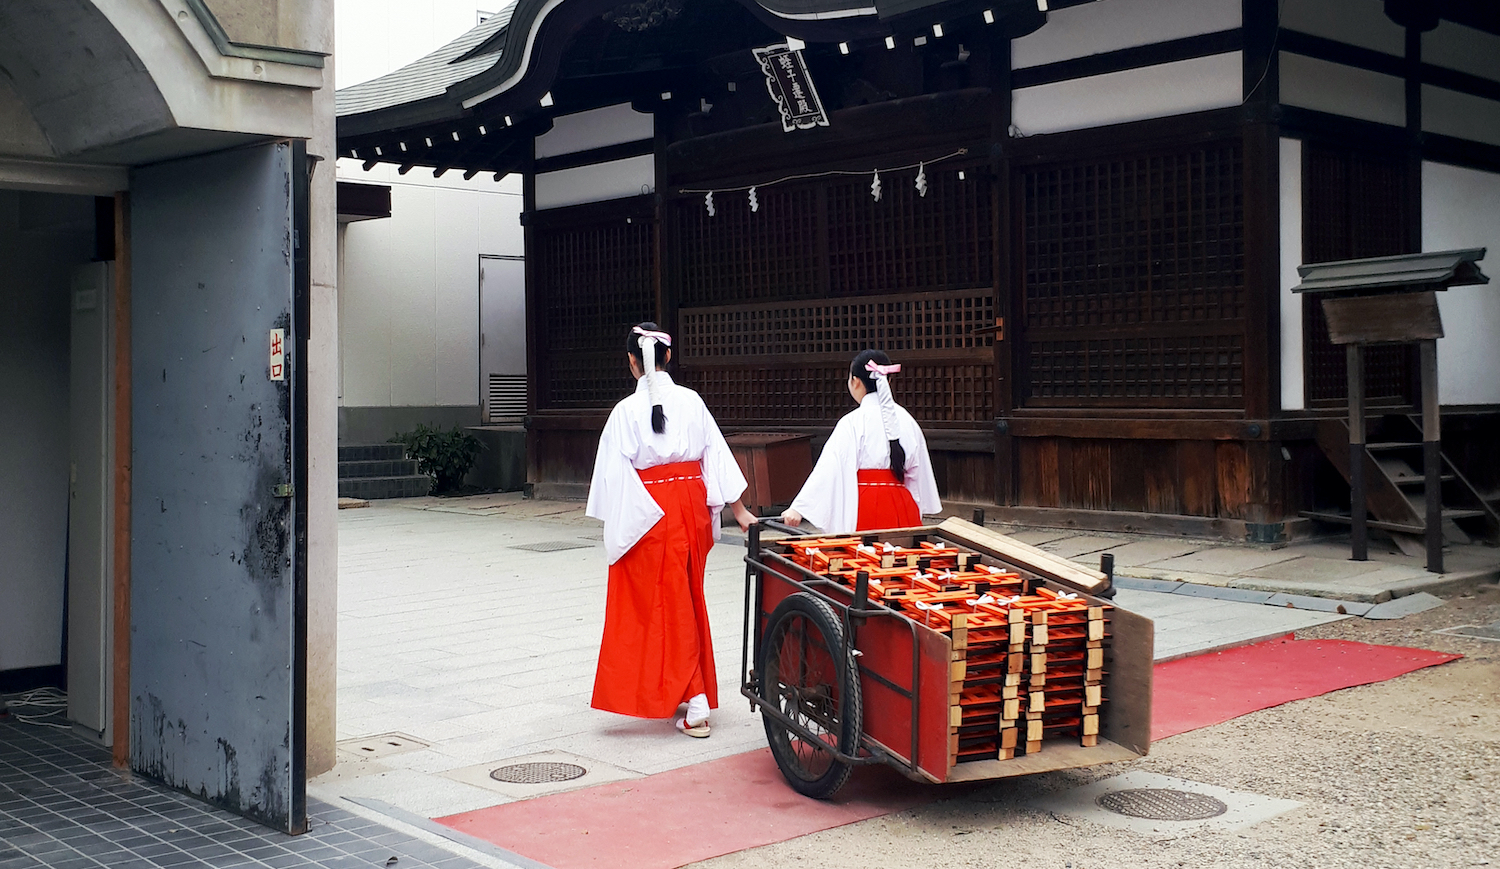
(778, 525)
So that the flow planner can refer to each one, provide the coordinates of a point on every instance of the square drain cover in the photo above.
(382, 745)
(554, 546)
(1474, 632)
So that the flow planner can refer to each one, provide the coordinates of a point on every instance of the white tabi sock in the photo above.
(697, 711)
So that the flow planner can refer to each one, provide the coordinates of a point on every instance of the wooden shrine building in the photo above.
(1087, 227)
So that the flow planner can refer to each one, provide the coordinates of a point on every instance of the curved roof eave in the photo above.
(533, 41)
(510, 60)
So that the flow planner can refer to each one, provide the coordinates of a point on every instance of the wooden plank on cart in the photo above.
(1021, 555)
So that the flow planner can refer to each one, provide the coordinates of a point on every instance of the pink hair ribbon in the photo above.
(661, 337)
(876, 368)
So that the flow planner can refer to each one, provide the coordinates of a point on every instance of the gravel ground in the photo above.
(1404, 773)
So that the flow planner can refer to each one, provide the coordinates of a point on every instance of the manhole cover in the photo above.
(553, 546)
(1162, 804)
(538, 773)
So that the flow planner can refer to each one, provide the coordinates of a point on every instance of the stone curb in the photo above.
(1291, 601)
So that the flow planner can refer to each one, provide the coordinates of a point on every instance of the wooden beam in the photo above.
(120, 686)
(1432, 455)
(1359, 535)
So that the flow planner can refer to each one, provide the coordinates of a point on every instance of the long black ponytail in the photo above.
(867, 378)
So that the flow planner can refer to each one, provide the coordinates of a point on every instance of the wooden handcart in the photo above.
(846, 671)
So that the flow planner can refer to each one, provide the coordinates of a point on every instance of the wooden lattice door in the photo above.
(1355, 204)
(1132, 280)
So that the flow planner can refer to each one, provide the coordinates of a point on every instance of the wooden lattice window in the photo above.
(739, 255)
(1354, 205)
(594, 282)
(787, 393)
(908, 241)
(830, 238)
(1134, 279)
(788, 361)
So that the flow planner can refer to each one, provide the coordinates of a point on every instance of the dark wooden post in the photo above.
(1359, 532)
(1432, 456)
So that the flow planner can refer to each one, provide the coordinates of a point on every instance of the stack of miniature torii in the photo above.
(1022, 652)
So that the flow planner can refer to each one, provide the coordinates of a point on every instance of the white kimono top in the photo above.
(617, 495)
(830, 497)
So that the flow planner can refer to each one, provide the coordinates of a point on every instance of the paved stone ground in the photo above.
(1318, 568)
(484, 652)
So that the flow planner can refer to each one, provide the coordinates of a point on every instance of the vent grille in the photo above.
(505, 399)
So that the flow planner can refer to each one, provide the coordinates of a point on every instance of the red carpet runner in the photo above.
(694, 813)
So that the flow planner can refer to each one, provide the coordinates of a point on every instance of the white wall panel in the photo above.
(1461, 209)
(1292, 392)
(616, 179)
(411, 297)
(1132, 95)
(1356, 22)
(500, 232)
(456, 313)
(1316, 84)
(596, 128)
(1095, 28)
(1464, 49)
(37, 258)
(1462, 115)
(409, 293)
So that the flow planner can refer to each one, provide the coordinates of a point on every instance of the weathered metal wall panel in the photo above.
(212, 679)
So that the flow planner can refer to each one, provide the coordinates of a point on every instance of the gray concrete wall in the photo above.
(42, 238)
(502, 464)
(376, 425)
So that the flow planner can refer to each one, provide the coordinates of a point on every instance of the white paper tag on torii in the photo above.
(278, 354)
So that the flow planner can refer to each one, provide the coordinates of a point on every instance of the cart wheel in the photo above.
(806, 673)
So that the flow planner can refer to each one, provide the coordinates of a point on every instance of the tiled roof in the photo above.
(1440, 269)
(427, 77)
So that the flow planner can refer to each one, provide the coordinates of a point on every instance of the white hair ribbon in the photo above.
(660, 337)
(883, 396)
(648, 361)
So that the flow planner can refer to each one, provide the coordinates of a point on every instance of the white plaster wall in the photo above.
(409, 292)
(1465, 116)
(1356, 22)
(1292, 387)
(1095, 28)
(596, 128)
(1463, 48)
(1316, 84)
(1132, 95)
(42, 238)
(1461, 209)
(616, 179)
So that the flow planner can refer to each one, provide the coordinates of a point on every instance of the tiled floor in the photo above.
(433, 644)
(63, 806)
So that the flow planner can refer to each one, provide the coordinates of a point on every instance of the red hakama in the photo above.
(885, 502)
(657, 652)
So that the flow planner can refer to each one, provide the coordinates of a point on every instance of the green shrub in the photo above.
(446, 456)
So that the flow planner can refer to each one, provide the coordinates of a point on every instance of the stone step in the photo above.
(398, 468)
(372, 453)
(379, 488)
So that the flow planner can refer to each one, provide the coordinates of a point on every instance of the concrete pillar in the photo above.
(322, 405)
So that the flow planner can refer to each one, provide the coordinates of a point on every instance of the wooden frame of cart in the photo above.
(842, 680)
